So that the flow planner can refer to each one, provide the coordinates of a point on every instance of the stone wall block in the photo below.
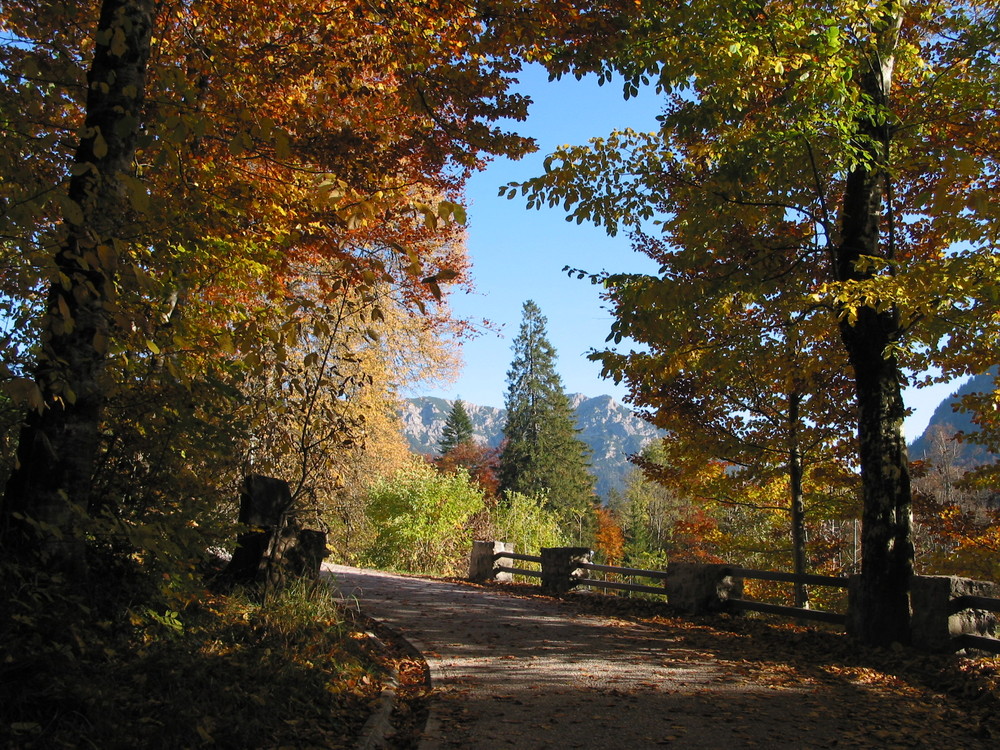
(698, 589)
(935, 623)
(482, 566)
(561, 567)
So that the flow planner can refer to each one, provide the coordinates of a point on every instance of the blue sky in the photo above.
(519, 255)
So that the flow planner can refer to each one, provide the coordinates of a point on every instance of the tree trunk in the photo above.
(882, 604)
(797, 504)
(58, 445)
(883, 608)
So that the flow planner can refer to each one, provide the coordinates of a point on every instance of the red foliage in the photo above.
(480, 460)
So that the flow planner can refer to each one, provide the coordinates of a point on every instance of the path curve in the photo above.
(535, 672)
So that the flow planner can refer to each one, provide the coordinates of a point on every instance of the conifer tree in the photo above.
(542, 454)
(457, 429)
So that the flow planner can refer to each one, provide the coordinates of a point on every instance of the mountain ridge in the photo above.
(946, 422)
(609, 428)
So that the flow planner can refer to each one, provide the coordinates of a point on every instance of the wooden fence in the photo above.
(949, 613)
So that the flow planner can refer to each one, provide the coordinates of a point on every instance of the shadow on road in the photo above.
(537, 672)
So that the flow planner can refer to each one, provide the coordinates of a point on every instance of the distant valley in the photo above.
(947, 422)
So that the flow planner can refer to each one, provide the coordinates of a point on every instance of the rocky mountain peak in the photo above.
(611, 430)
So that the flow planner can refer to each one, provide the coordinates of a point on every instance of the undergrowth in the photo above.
(228, 672)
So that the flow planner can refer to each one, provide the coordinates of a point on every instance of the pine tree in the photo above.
(542, 454)
(457, 429)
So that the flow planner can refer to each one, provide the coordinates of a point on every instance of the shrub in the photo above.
(419, 517)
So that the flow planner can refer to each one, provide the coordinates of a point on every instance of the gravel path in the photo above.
(536, 672)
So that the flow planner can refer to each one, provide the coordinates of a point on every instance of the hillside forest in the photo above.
(228, 233)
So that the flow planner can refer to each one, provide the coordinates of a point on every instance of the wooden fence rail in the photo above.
(949, 613)
(801, 613)
(497, 556)
(621, 585)
(806, 578)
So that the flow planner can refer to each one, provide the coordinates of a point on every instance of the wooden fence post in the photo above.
(698, 588)
(561, 567)
(935, 623)
(482, 566)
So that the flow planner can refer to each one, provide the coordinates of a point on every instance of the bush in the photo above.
(419, 517)
(527, 523)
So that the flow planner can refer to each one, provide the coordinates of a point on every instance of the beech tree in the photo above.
(59, 440)
(871, 127)
(541, 455)
(729, 368)
(154, 210)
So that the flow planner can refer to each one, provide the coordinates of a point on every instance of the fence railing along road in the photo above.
(949, 613)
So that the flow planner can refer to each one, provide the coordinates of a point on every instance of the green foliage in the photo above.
(542, 455)
(457, 428)
(649, 512)
(419, 519)
(300, 606)
(527, 523)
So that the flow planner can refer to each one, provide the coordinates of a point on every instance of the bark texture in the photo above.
(886, 544)
(58, 445)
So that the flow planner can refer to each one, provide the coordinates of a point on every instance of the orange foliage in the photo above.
(696, 538)
(961, 541)
(481, 462)
(610, 539)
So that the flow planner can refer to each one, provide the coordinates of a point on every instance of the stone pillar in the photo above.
(263, 502)
(699, 589)
(561, 567)
(273, 545)
(295, 552)
(482, 566)
(934, 622)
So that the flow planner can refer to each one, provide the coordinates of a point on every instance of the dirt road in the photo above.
(534, 672)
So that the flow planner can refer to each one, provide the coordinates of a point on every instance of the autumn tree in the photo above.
(659, 507)
(541, 453)
(322, 410)
(59, 440)
(869, 129)
(609, 538)
(729, 368)
(460, 450)
(458, 428)
(479, 460)
(157, 215)
(956, 515)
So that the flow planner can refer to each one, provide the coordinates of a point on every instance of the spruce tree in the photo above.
(542, 453)
(457, 429)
